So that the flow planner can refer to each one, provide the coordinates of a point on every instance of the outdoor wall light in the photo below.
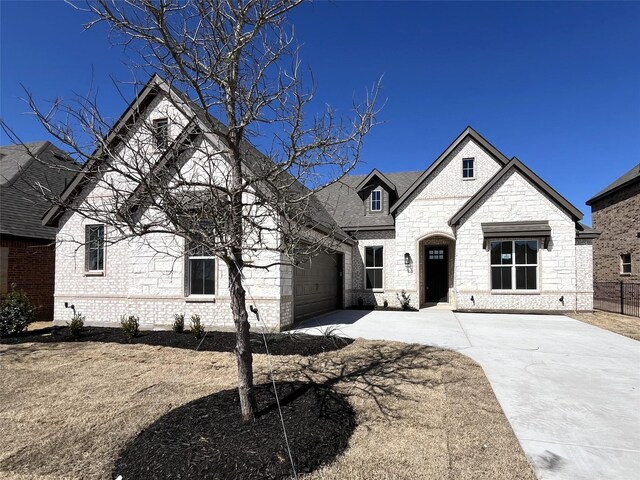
(407, 259)
(473, 300)
(561, 299)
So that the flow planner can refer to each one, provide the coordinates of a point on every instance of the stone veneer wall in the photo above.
(558, 266)
(617, 217)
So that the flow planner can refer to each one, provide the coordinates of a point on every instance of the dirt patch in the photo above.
(68, 409)
(614, 322)
(277, 343)
(206, 439)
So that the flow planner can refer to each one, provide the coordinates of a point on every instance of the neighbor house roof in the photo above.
(320, 219)
(628, 178)
(342, 200)
(27, 173)
(517, 165)
(466, 133)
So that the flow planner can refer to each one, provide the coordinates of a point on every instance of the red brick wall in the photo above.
(617, 216)
(31, 267)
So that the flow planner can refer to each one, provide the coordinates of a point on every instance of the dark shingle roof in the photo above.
(342, 201)
(629, 177)
(21, 204)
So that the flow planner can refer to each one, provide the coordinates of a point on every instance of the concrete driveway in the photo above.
(571, 391)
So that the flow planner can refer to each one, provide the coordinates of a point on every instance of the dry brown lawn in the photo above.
(614, 322)
(66, 410)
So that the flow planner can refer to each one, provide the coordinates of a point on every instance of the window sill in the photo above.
(625, 274)
(201, 299)
(464, 179)
(515, 292)
(96, 273)
(375, 290)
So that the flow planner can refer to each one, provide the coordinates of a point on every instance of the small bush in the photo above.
(76, 325)
(404, 299)
(130, 325)
(16, 312)
(178, 323)
(360, 302)
(385, 304)
(196, 326)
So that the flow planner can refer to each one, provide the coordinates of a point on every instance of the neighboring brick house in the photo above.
(615, 212)
(475, 230)
(27, 248)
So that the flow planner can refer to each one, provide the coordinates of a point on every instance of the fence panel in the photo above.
(617, 297)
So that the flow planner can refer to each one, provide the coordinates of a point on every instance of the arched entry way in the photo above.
(437, 261)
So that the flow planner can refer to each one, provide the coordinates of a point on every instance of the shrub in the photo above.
(178, 323)
(76, 325)
(196, 326)
(360, 302)
(130, 325)
(385, 304)
(404, 299)
(16, 312)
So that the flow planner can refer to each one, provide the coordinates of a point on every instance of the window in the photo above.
(514, 263)
(437, 254)
(94, 248)
(468, 168)
(202, 268)
(161, 132)
(373, 267)
(376, 201)
(625, 263)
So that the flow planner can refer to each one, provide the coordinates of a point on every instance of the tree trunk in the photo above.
(243, 346)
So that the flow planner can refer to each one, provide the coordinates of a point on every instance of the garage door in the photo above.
(317, 286)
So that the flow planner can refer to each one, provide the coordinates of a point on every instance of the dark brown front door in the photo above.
(437, 274)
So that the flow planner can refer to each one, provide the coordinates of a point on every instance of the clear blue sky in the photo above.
(555, 84)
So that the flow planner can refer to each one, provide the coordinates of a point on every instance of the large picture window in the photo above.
(94, 248)
(373, 267)
(514, 265)
(202, 266)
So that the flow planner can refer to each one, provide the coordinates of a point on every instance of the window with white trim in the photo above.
(202, 270)
(468, 168)
(374, 267)
(161, 132)
(376, 200)
(514, 265)
(94, 248)
(625, 263)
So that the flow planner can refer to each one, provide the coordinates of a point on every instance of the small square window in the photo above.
(161, 132)
(625, 263)
(468, 168)
(376, 201)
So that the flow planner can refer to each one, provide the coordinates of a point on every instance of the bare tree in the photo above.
(198, 178)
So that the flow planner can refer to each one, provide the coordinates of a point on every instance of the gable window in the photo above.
(373, 267)
(468, 168)
(94, 248)
(376, 201)
(201, 266)
(161, 133)
(514, 265)
(625, 263)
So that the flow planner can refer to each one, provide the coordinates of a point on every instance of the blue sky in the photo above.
(555, 84)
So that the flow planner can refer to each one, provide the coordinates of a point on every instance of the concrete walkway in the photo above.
(571, 391)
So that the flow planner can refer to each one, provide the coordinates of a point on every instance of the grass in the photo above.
(614, 322)
(68, 409)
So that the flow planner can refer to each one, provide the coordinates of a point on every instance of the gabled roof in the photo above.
(628, 178)
(320, 219)
(343, 202)
(375, 173)
(467, 132)
(517, 165)
(23, 170)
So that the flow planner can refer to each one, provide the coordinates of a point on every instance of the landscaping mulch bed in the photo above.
(206, 438)
(278, 343)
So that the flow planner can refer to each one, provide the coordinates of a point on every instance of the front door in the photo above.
(437, 274)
